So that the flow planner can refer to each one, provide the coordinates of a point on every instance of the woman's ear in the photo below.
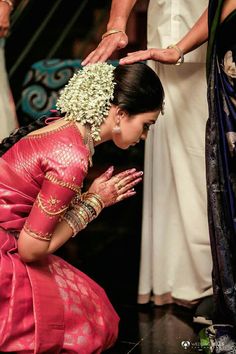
(120, 113)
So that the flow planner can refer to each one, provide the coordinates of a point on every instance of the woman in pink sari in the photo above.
(46, 305)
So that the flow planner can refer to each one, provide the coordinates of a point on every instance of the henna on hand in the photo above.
(116, 188)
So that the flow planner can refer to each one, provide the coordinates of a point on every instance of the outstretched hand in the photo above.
(113, 189)
(106, 47)
(165, 56)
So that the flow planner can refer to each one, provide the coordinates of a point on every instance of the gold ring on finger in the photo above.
(120, 185)
(117, 187)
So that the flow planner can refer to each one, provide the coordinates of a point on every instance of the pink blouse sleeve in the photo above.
(62, 182)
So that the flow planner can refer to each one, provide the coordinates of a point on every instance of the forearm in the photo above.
(33, 245)
(119, 14)
(32, 249)
(61, 235)
(37, 240)
(76, 219)
(196, 36)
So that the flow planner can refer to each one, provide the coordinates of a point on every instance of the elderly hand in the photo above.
(113, 189)
(165, 56)
(106, 47)
(5, 11)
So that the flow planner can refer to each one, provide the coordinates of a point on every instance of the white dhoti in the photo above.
(176, 261)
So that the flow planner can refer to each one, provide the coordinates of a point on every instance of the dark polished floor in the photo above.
(166, 330)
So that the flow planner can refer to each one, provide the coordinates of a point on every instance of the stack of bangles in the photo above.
(84, 211)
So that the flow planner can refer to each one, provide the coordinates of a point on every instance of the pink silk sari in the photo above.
(46, 306)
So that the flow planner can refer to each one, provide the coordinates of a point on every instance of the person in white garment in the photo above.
(176, 260)
(8, 121)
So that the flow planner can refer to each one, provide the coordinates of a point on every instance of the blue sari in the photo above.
(221, 177)
(221, 159)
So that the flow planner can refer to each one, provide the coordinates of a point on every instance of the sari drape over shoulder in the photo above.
(47, 306)
(221, 159)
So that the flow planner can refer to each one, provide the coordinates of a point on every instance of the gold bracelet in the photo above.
(9, 2)
(181, 59)
(112, 31)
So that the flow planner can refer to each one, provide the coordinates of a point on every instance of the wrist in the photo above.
(179, 51)
(83, 211)
(95, 200)
(111, 32)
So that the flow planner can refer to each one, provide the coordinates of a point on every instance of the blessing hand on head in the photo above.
(113, 189)
(164, 56)
(106, 47)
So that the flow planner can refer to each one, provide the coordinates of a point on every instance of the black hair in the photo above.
(17, 134)
(137, 90)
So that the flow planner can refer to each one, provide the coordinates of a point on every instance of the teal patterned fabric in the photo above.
(43, 83)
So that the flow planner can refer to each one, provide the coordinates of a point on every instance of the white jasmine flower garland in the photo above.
(87, 96)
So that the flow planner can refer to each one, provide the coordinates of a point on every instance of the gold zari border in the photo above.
(69, 185)
(38, 235)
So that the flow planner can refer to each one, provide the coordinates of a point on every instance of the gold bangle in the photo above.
(75, 220)
(9, 2)
(112, 31)
(87, 195)
(181, 58)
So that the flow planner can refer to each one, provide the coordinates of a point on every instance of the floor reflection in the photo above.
(148, 330)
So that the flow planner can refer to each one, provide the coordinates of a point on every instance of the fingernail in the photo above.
(133, 192)
(111, 168)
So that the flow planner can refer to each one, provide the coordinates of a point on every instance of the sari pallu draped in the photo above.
(46, 306)
(25, 288)
(221, 160)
